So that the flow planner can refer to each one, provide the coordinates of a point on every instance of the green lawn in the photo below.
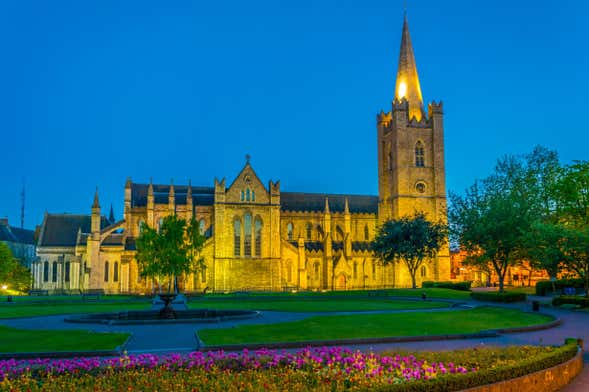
(373, 326)
(20, 340)
(31, 310)
(313, 304)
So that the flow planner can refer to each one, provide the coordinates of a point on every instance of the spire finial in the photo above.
(346, 206)
(327, 204)
(247, 158)
(111, 216)
(96, 203)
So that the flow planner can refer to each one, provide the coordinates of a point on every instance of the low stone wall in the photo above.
(547, 380)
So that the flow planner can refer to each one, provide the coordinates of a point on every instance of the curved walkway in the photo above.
(157, 338)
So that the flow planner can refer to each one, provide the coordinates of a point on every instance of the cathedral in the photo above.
(259, 238)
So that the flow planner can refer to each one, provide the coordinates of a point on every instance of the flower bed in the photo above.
(321, 369)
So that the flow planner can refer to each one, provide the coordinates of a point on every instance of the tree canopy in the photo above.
(12, 273)
(411, 240)
(170, 251)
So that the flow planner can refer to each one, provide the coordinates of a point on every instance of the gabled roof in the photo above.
(315, 202)
(201, 195)
(18, 235)
(62, 229)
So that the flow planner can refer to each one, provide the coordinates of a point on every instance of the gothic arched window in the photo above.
(247, 235)
(106, 271)
(355, 270)
(253, 195)
(46, 271)
(289, 231)
(373, 270)
(54, 272)
(419, 154)
(316, 268)
(309, 231)
(339, 233)
(201, 226)
(67, 271)
(423, 271)
(258, 237)
(203, 274)
(115, 272)
(247, 194)
(237, 237)
(366, 233)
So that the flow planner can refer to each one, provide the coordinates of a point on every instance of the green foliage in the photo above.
(492, 220)
(410, 240)
(544, 287)
(12, 273)
(492, 296)
(171, 251)
(462, 286)
(571, 300)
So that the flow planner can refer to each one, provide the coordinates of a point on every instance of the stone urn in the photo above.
(167, 311)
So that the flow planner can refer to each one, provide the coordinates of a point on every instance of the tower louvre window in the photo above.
(419, 154)
(237, 237)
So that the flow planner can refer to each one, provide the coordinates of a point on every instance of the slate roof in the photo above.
(315, 202)
(15, 234)
(62, 229)
(114, 239)
(201, 195)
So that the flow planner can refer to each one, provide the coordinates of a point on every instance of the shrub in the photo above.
(571, 300)
(493, 296)
(544, 287)
(462, 286)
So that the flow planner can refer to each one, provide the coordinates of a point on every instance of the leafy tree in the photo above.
(576, 247)
(490, 221)
(543, 247)
(12, 273)
(410, 240)
(171, 251)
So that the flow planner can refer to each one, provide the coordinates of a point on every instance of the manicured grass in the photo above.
(69, 298)
(374, 325)
(31, 310)
(20, 340)
(313, 304)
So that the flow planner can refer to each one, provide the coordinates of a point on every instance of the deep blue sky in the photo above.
(93, 92)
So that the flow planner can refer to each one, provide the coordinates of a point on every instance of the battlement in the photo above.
(383, 118)
(435, 108)
(401, 105)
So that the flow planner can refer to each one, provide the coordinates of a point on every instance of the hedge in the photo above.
(571, 300)
(462, 286)
(544, 287)
(453, 382)
(494, 296)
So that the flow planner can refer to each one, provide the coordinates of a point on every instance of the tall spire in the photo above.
(407, 85)
(111, 215)
(96, 203)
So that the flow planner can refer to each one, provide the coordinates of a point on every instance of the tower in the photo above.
(411, 173)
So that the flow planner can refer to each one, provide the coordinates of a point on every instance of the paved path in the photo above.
(158, 338)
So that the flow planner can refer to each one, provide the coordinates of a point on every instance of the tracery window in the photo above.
(258, 237)
(366, 233)
(201, 226)
(237, 237)
(419, 154)
(309, 231)
(289, 231)
(247, 235)
(106, 271)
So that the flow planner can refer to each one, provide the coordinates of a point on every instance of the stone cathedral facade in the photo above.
(260, 238)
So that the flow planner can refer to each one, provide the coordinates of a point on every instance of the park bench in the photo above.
(92, 295)
(38, 292)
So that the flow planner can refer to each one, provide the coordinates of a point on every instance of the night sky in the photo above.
(94, 91)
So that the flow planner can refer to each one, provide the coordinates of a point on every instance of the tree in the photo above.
(490, 221)
(410, 240)
(12, 273)
(171, 251)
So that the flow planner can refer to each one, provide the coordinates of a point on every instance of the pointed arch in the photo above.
(46, 271)
(237, 237)
(419, 154)
(247, 235)
(115, 272)
(258, 236)
(309, 231)
(54, 272)
(106, 269)
(366, 233)
(289, 231)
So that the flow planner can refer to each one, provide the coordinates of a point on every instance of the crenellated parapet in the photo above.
(435, 108)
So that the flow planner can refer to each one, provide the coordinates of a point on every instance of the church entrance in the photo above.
(341, 282)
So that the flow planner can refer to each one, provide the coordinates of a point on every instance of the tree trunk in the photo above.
(413, 284)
